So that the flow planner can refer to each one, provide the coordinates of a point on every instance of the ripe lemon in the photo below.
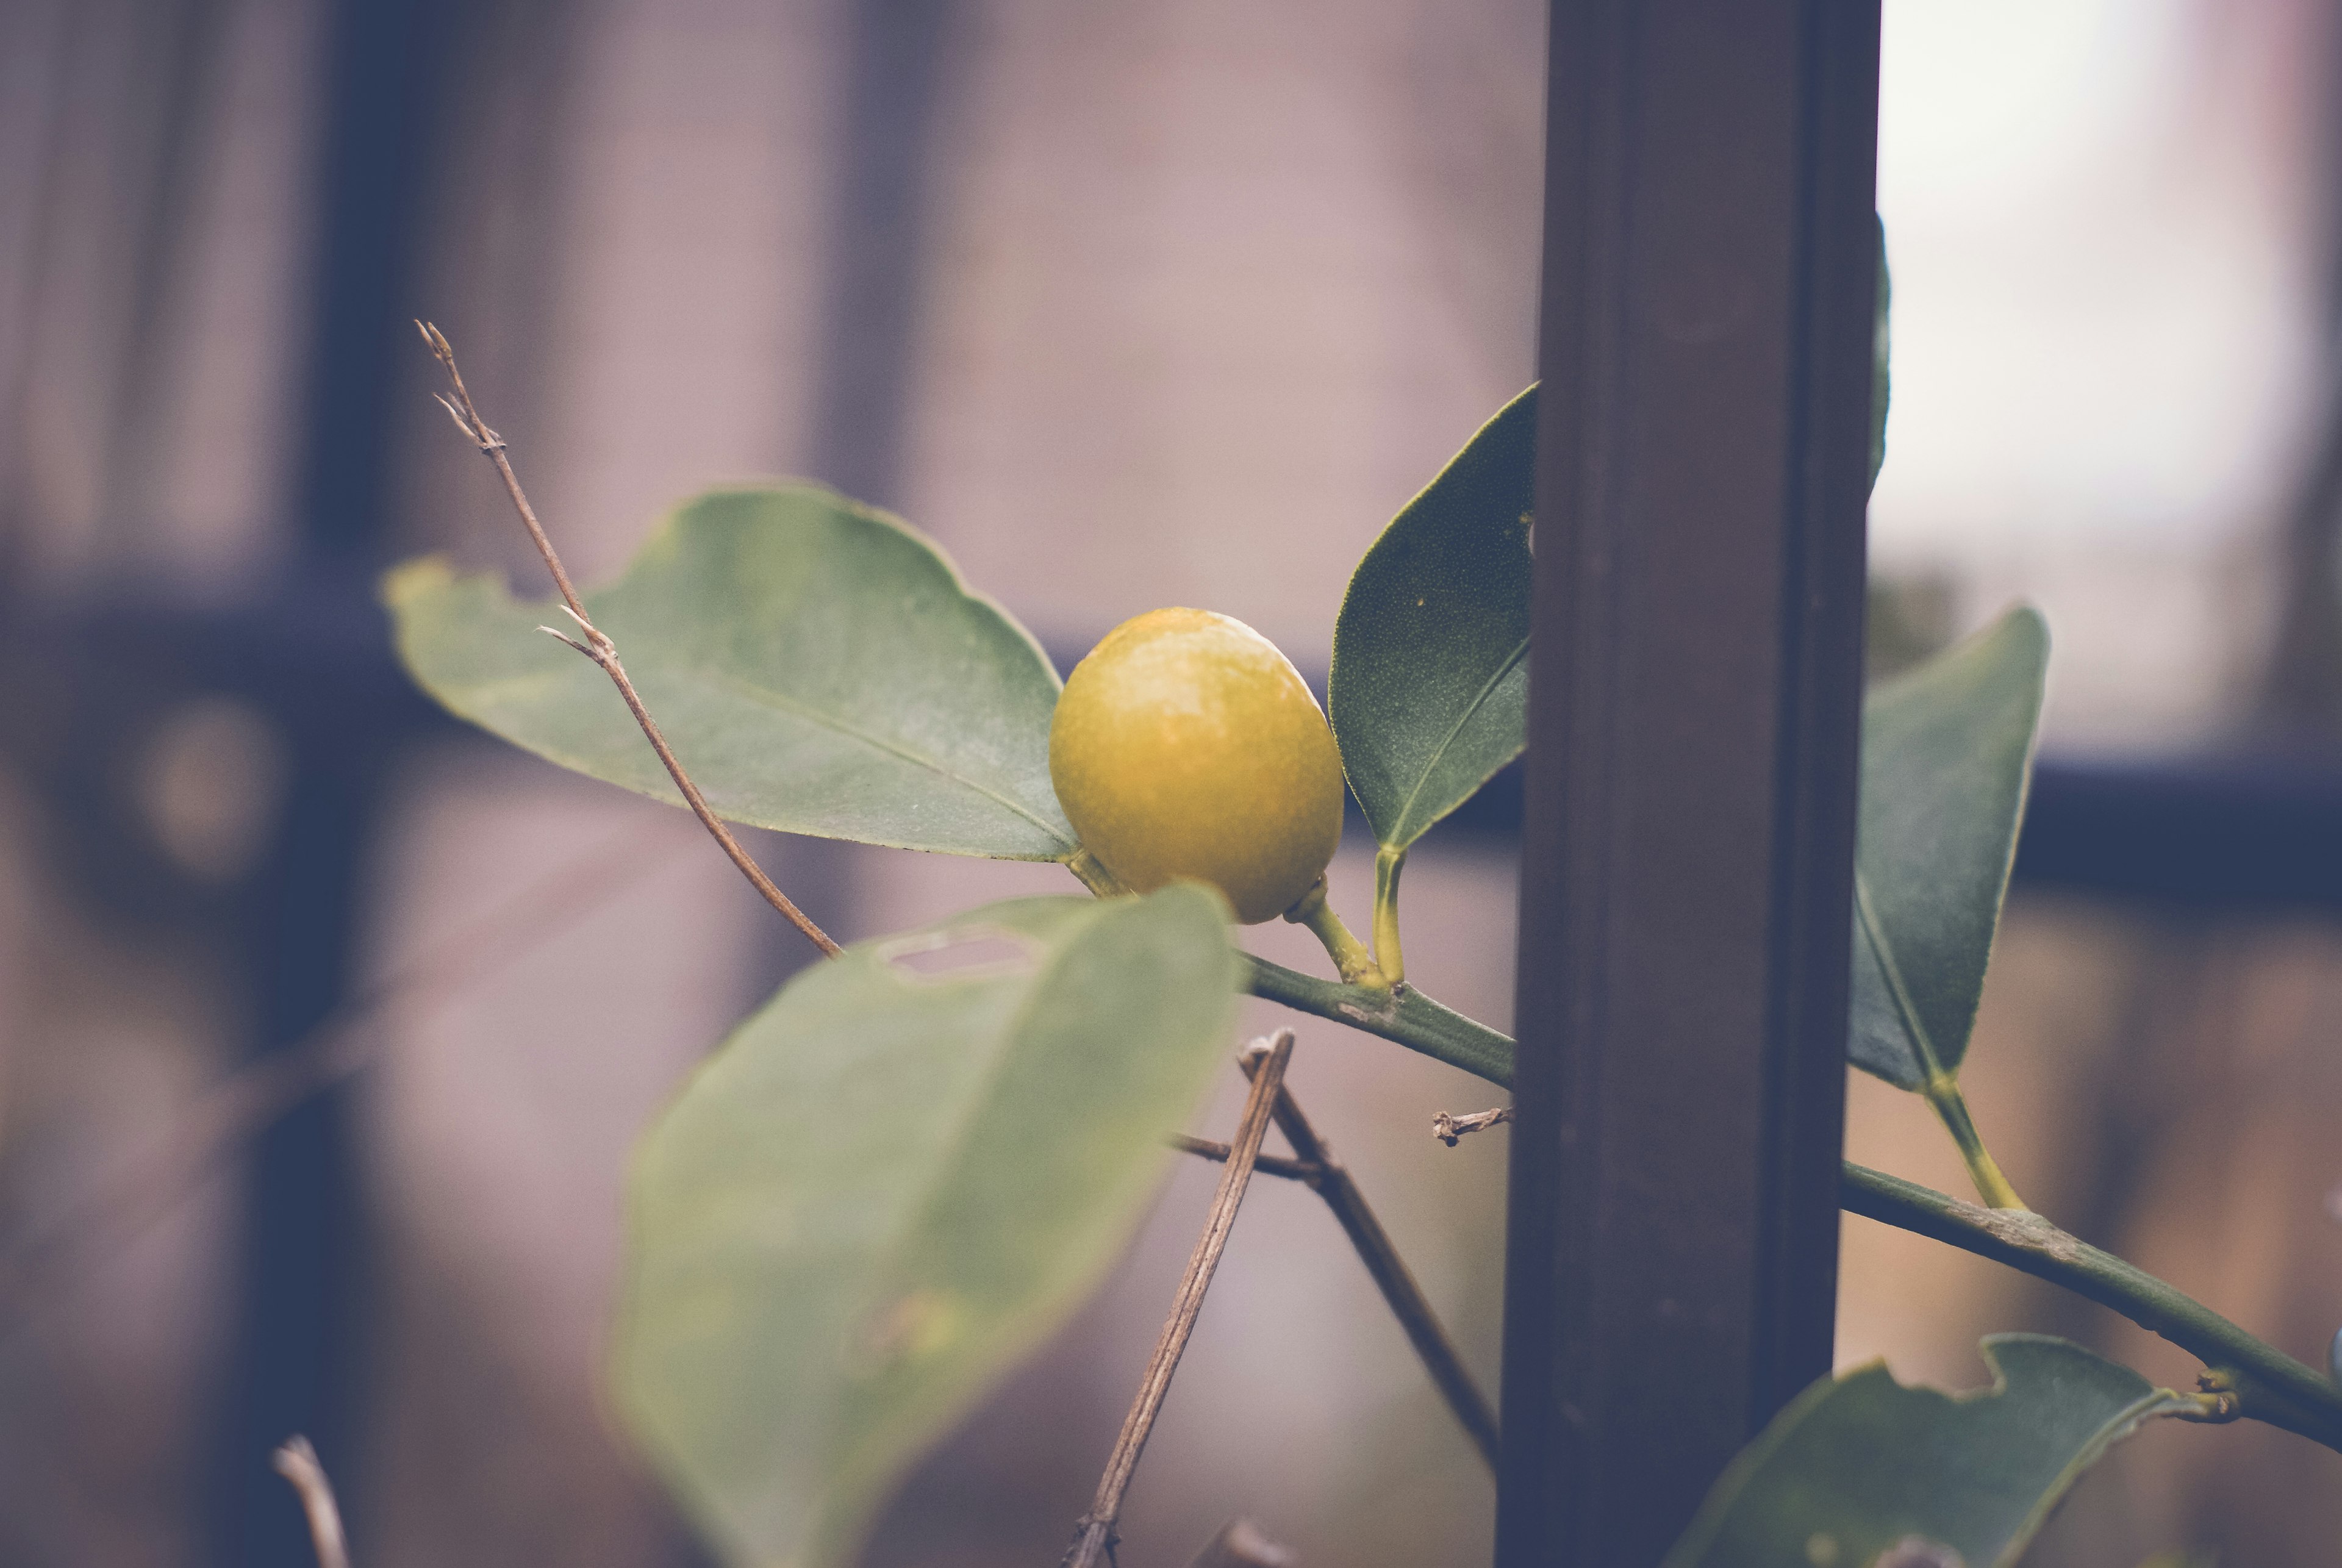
(1187, 745)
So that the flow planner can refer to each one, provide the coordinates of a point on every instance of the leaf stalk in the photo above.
(1942, 1092)
(1388, 862)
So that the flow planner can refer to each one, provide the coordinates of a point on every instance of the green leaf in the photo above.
(1858, 1465)
(891, 1185)
(818, 667)
(1429, 681)
(1879, 343)
(1947, 753)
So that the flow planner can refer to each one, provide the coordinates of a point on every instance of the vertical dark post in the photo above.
(298, 1354)
(884, 159)
(881, 218)
(1688, 831)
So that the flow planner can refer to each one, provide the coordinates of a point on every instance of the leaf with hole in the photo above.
(889, 1186)
(1861, 1471)
(1429, 681)
(818, 667)
(1947, 755)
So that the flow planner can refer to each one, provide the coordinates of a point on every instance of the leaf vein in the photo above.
(781, 702)
(1929, 1063)
(1479, 699)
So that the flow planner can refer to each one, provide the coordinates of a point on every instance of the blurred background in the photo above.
(1127, 306)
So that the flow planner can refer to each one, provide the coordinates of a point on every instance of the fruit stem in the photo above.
(1094, 874)
(1349, 954)
(1388, 956)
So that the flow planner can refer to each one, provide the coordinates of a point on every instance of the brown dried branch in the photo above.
(1447, 1129)
(598, 647)
(1309, 1175)
(296, 1461)
(36, 1269)
(1095, 1536)
(1391, 1274)
(1241, 1544)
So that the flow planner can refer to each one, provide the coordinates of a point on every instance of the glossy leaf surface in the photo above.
(1861, 1471)
(818, 667)
(1429, 683)
(891, 1185)
(1947, 755)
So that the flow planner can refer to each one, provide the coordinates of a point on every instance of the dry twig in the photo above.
(1095, 1536)
(1334, 1183)
(598, 647)
(34, 1268)
(1300, 1171)
(1390, 1273)
(296, 1461)
(1447, 1129)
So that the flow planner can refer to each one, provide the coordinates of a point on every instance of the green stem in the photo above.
(1388, 862)
(1397, 1012)
(2269, 1385)
(1349, 954)
(1942, 1092)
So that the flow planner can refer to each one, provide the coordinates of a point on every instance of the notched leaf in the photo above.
(1860, 1469)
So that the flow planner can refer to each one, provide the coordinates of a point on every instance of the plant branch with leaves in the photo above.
(912, 1164)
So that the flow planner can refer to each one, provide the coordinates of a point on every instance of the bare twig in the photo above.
(1390, 1273)
(1095, 1536)
(1309, 1175)
(1241, 1544)
(296, 1461)
(34, 1268)
(1447, 1129)
(598, 647)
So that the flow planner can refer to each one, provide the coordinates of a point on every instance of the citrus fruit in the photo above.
(1187, 745)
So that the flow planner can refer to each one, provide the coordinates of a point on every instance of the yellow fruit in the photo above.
(1185, 745)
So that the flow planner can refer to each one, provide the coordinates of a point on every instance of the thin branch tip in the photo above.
(1302, 1171)
(1451, 1130)
(298, 1464)
(601, 651)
